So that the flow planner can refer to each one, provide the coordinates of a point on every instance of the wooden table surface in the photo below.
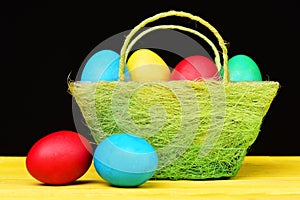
(261, 177)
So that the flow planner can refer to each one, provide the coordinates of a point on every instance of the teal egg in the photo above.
(125, 160)
(103, 66)
(242, 68)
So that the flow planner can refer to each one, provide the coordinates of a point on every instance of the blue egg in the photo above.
(103, 66)
(125, 160)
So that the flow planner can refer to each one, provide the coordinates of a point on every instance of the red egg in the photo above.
(59, 158)
(195, 67)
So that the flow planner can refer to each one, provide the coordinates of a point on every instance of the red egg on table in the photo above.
(59, 158)
(195, 67)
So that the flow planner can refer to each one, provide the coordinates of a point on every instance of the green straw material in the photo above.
(199, 129)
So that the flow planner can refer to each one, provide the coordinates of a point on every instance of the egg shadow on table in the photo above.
(143, 186)
(78, 182)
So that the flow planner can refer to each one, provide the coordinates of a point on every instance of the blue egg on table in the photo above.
(125, 160)
(103, 66)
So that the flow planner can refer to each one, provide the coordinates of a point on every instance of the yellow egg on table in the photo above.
(145, 65)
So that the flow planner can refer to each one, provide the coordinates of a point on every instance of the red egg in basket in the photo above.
(196, 67)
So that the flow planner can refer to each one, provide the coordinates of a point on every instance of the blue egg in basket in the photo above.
(103, 66)
(125, 160)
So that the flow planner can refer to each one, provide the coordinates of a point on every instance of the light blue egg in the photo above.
(125, 160)
(103, 66)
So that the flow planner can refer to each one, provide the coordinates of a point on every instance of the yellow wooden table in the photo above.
(260, 177)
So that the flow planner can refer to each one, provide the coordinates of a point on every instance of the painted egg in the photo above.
(243, 68)
(125, 160)
(103, 66)
(195, 67)
(145, 65)
(59, 158)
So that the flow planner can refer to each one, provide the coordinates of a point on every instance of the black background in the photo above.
(42, 42)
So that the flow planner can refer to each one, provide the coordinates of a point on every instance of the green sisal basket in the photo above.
(200, 129)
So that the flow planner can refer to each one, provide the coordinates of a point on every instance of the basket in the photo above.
(200, 129)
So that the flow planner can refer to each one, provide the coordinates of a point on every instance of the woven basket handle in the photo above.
(128, 45)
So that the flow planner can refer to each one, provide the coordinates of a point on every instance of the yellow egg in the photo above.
(145, 65)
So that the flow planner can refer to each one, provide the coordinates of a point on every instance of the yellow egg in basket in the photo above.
(145, 65)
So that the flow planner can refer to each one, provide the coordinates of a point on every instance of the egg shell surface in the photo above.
(243, 68)
(145, 65)
(125, 160)
(59, 158)
(103, 66)
(196, 67)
